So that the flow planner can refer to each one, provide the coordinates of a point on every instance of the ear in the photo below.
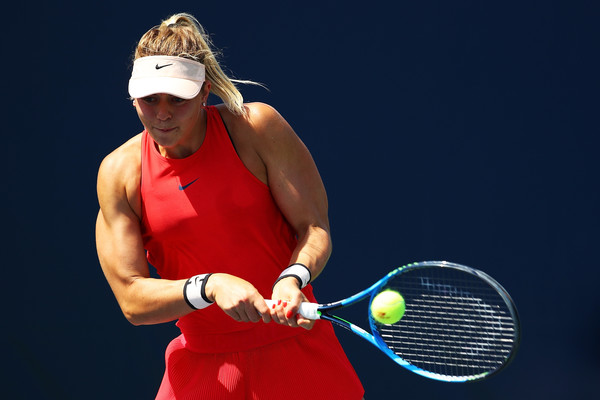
(205, 91)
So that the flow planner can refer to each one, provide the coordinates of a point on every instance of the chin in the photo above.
(164, 139)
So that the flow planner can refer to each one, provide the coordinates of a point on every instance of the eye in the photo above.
(177, 100)
(149, 99)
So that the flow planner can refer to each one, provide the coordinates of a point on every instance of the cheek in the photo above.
(142, 112)
(190, 115)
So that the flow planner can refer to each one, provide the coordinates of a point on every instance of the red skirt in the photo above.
(311, 365)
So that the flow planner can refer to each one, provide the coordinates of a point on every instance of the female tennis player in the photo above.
(227, 204)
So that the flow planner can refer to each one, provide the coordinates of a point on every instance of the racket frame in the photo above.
(323, 311)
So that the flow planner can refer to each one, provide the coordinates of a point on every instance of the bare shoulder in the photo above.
(260, 119)
(263, 128)
(255, 136)
(124, 161)
(119, 175)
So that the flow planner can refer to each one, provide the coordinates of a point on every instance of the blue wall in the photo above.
(464, 131)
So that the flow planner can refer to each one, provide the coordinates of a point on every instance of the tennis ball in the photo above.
(388, 307)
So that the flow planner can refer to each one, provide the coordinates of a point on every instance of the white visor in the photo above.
(176, 76)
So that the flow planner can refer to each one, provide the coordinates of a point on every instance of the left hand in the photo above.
(288, 298)
(237, 298)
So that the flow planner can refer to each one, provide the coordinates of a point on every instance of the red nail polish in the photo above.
(285, 303)
(273, 306)
(289, 314)
(279, 302)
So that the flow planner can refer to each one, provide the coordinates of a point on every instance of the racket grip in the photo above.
(307, 310)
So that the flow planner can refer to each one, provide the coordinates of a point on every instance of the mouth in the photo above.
(164, 130)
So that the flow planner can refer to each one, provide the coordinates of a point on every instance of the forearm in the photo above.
(313, 249)
(143, 300)
(153, 301)
(146, 301)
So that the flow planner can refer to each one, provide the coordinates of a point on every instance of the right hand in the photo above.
(237, 298)
(286, 311)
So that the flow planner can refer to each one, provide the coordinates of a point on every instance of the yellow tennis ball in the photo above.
(388, 307)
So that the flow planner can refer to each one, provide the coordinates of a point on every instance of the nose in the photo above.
(163, 111)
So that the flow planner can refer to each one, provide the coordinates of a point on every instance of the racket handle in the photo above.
(307, 310)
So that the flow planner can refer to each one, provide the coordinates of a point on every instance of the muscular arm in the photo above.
(142, 299)
(296, 186)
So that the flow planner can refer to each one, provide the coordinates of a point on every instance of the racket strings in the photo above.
(455, 324)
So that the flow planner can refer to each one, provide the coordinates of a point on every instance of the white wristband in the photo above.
(194, 292)
(298, 271)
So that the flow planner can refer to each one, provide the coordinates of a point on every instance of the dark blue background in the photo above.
(464, 131)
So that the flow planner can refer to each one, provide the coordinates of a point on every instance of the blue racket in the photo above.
(459, 324)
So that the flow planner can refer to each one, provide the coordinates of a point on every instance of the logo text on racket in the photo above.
(443, 289)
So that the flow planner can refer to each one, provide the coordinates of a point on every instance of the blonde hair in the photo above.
(181, 35)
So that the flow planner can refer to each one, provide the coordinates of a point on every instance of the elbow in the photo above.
(134, 309)
(134, 318)
(134, 312)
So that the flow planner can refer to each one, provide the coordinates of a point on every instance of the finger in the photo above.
(266, 317)
(252, 313)
(273, 312)
(305, 323)
(278, 312)
(286, 314)
(234, 314)
(291, 316)
(264, 311)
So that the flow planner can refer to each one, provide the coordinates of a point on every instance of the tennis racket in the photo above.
(460, 324)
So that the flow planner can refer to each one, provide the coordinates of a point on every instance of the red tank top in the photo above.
(209, 213)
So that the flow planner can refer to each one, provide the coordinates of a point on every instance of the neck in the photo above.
(188, 143)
